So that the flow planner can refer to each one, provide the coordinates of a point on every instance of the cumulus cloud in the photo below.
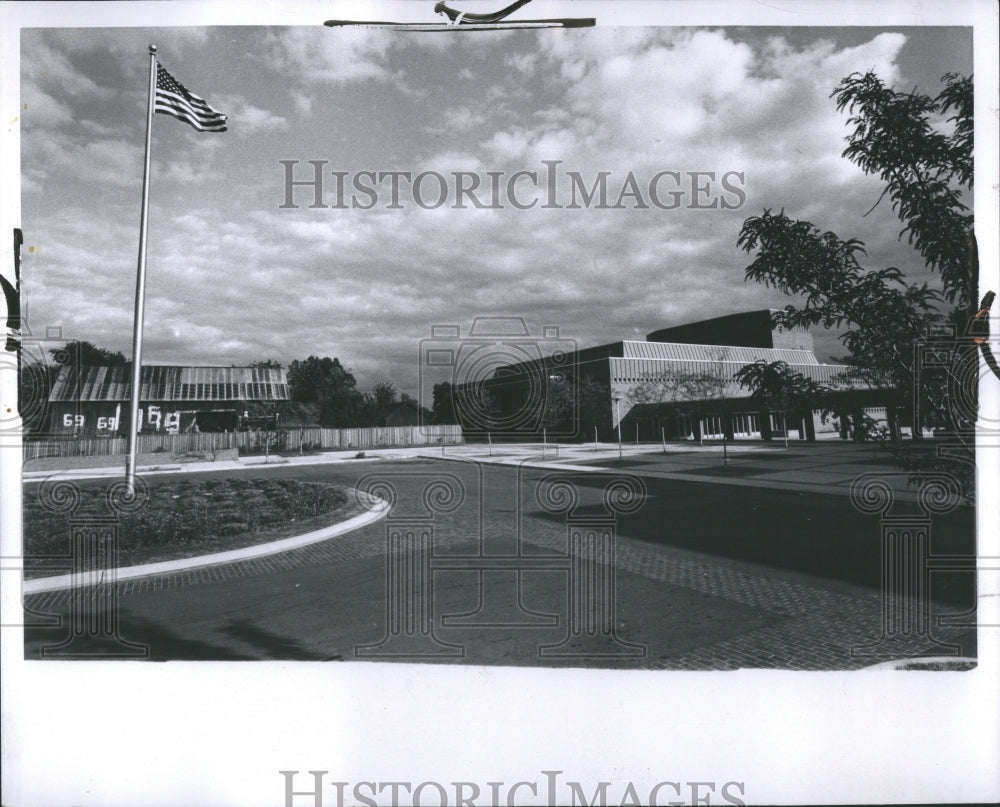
(333, 57)
(233, 277)
(245, 119)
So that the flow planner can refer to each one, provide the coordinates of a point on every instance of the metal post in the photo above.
(140, 287)
(619, 424)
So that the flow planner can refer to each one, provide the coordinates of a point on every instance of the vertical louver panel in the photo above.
(170, 383)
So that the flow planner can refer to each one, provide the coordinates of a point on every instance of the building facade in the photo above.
(677, 384)
(95, 401)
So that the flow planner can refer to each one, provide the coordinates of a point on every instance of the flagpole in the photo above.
(140, 288)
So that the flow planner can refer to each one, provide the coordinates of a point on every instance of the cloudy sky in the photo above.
(234, 277)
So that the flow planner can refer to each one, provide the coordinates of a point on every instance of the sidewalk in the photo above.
(830, 467)
(226, 460)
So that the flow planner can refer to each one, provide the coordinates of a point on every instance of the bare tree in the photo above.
(693, 393)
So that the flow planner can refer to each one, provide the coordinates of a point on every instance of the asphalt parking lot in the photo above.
(533, 562)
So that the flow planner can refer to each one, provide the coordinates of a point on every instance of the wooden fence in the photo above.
(289, 439)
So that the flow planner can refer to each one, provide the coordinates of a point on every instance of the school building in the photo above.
(676, 384)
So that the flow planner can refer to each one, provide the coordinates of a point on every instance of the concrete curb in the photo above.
(142, 470)
(205, 467)
(526, 463)
(377, 510)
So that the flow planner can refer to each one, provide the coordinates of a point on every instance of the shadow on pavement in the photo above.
(166, 644)
(811, 533)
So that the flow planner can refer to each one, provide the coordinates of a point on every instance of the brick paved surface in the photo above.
(679, 596)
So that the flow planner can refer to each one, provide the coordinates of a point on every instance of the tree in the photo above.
(575, 406)
(706, 390)
(777, 388)
(882, 315)
(593, 405)
(36, 377)
(424, 415)
(385, 396)
(472, 404)
(376, 405)
(926, 170)
(87, 354)
(316, 379)
(694, 394)
(559, 410)
(267, 364)
(327, 383)
(442, 405)
(296, 413)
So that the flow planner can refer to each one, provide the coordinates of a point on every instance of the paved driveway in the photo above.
(498, 565)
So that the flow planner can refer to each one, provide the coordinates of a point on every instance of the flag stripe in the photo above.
(174, 99)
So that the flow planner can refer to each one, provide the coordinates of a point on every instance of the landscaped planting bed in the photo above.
(181, 518)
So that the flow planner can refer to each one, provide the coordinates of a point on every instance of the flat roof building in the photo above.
(746, 329)
(678, 383)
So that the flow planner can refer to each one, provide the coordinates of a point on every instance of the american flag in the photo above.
(173, 98)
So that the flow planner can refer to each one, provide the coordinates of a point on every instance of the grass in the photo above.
(185, 518)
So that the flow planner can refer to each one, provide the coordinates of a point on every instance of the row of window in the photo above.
(224, 392)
